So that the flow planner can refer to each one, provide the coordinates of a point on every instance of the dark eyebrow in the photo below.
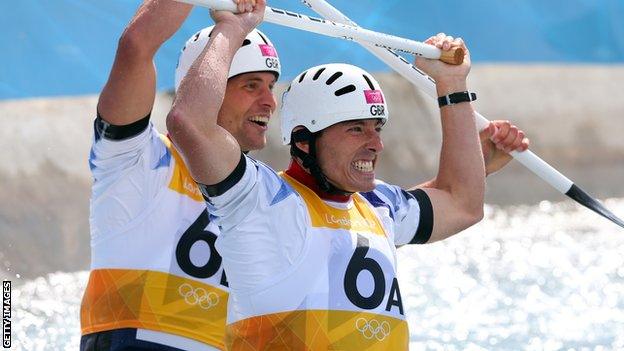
(254, 79)
(361, 122)
(259, 79)
(352, 123)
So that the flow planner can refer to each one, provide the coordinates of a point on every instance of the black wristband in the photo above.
(117, 132)
(456, 98)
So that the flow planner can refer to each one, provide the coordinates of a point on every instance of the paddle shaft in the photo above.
(342, 31)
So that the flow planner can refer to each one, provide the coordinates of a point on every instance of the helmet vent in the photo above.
(302, 76)
(333, 78)
(370, 84)
(349, 88)
(246, 42)
(318, 73)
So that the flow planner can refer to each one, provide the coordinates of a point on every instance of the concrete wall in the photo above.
(573, 114)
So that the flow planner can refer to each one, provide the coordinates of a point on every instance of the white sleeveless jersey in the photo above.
(153, 261)
(307, 274)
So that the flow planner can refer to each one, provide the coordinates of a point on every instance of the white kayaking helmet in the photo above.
(321, 97)
(257, 54)
(328, 94)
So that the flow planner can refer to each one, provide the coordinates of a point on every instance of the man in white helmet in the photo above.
(156, 281)
(310, 252)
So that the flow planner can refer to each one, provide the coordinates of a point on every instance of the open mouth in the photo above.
(262, 121)
(364, 166)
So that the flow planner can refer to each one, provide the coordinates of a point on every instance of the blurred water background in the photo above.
(540, 277)
(538, 273)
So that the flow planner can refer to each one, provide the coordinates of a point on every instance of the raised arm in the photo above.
(210, 152)
(131, 87)
(457, 192)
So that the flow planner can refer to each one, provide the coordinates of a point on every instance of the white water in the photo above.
(544, 277)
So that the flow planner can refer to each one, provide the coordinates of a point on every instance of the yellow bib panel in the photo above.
(160, 271)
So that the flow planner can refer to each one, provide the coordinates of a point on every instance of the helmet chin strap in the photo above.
(310, 162)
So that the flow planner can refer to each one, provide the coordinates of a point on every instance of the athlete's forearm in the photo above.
(154, 22)
(130, 90)
(461, 169)
(456, 193)
(202, 90)
(209, 150)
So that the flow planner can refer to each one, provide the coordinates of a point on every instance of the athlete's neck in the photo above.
(302, 176)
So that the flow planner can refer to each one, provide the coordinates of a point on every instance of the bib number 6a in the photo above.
(359, 263)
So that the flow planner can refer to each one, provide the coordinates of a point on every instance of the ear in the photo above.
(303, 146)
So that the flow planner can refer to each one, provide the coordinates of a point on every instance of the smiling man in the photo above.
(156, 280)
(311, 252)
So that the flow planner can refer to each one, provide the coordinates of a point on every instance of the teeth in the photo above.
(364, 166)
(261, 119)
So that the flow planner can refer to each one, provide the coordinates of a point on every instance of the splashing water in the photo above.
(46, 312)
(543, 277)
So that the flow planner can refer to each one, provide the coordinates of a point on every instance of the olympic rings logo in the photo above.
(198, 296)
(373, 329)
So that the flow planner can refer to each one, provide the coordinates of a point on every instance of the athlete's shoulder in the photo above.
(147, 152)
(276, 188)
(383, 194)
(410, 210)
(391, 196)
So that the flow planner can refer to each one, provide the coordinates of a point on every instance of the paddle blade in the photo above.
(578, 195)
